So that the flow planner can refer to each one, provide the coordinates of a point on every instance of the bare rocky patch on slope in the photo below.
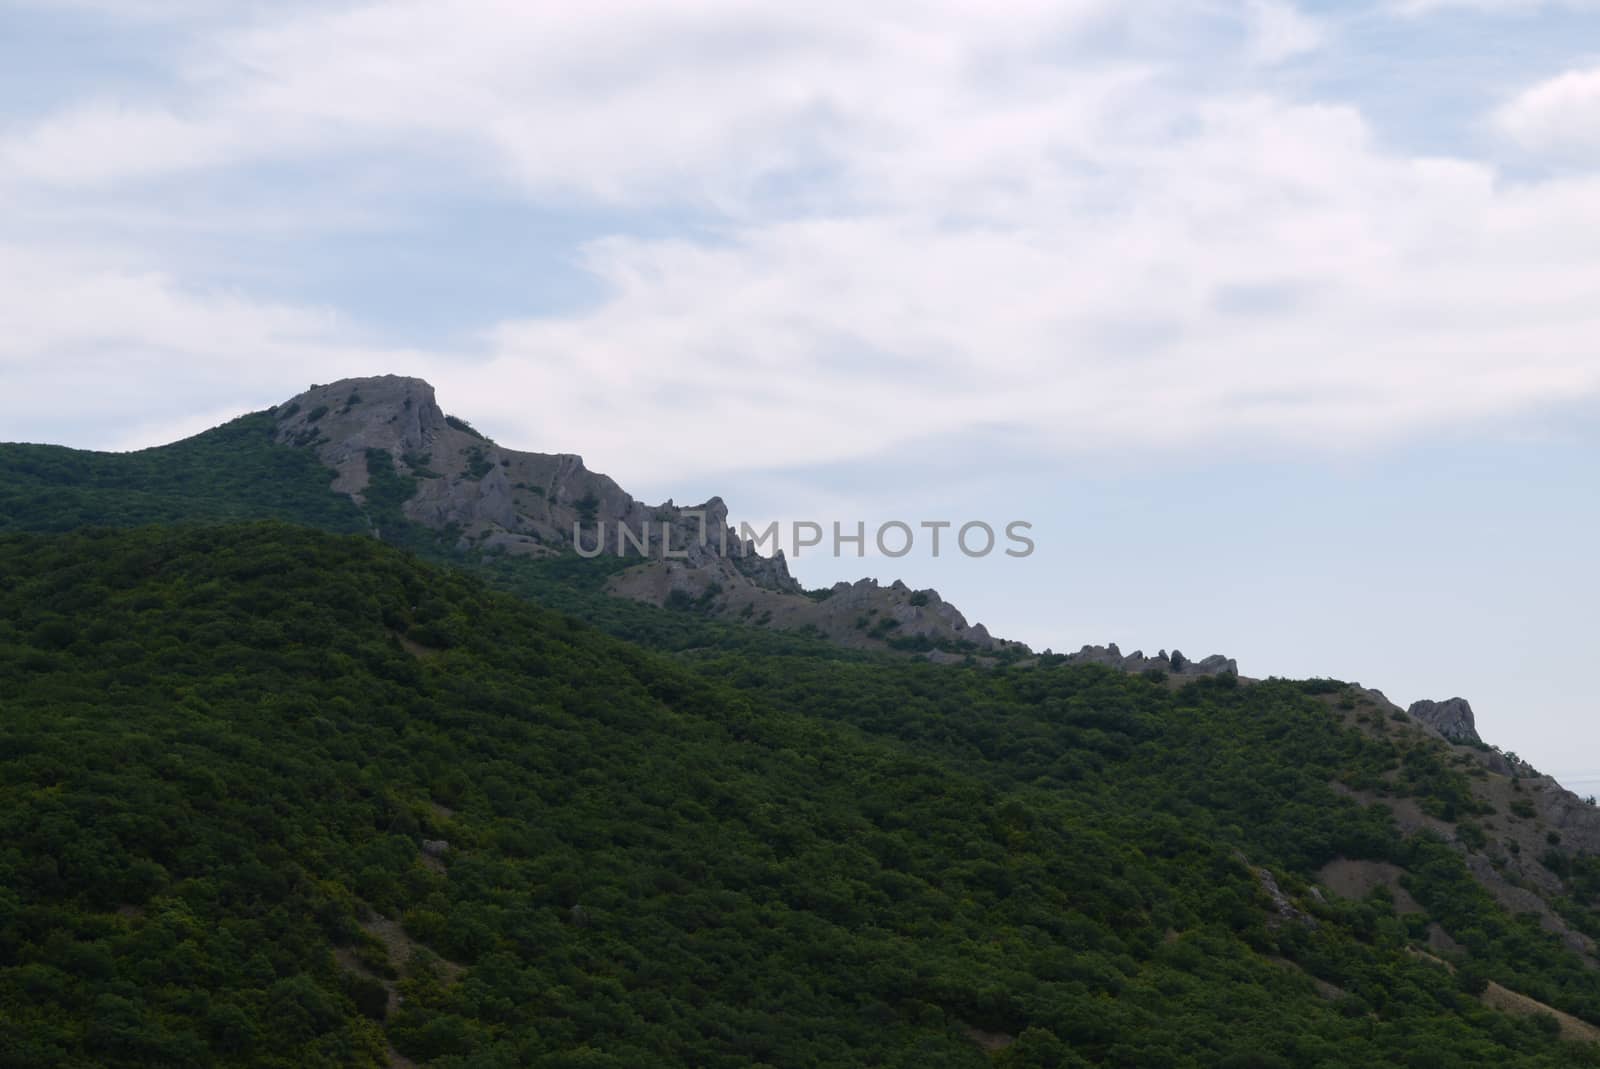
(1524, 824)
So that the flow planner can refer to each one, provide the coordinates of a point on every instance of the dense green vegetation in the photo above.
(672, 840)
(221, 750)
(235, 473)
(227, 474)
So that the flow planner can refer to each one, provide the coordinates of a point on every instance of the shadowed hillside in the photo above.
(274, 797)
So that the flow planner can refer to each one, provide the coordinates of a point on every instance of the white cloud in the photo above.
(1487, 7)
(110, 143)
(127, 356)
(1282, 31)
(55, 306)
(614, 99)
(910, 221)
(1561, 115)
(169, 10)
(831, 340)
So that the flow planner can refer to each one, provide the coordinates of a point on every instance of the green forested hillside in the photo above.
(236, 473)
(228, 758)
(230, 473)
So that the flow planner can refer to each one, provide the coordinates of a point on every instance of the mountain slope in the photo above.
(380, 452)
(228, 474)
(272, 797)
(388, 434)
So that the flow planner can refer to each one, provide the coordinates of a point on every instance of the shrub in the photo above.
(464, 427)
(370, 996)
(478, 465)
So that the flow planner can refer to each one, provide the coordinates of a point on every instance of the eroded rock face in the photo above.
(499, 498)
(1451, 718)
(345, 419)
(505, 500)
(509, 501)
(863, 614)
(1174, 663)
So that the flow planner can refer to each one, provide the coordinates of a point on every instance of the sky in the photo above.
(1279, 323)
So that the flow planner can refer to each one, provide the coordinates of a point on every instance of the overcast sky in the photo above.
(1280, 323)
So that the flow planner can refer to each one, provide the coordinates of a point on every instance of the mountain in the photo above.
(398, 466)
(227, 474)
(278, 797)
(481, 496)
(277, 793)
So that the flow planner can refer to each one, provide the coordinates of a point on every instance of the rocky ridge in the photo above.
(1174, 663)
(501, 500)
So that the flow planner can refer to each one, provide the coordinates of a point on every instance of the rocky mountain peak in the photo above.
(496, 499)
(500, 500)
(344, 419)
(1451, 718)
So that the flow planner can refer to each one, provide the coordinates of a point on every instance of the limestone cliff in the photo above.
(1451, 718)
(514, 502)
(503, 500)
(496, 498)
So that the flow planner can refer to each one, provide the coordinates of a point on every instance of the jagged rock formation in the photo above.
(505, 500)
(862, 614)
(1175, 663)
(537, 504)
(496, 498)
(1451, 718)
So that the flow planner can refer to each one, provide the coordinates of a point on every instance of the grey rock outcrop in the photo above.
(1174, 663)
(1451, 718)
(1283, 909)
(501, 499)
(507, 501)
